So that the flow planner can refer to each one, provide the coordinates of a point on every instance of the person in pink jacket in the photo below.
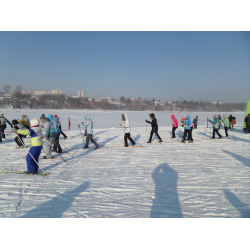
(174, 124)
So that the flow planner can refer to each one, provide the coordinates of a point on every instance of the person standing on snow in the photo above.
(3, 121)
(56, 148)
(127, 130)
(49, 135)
(36, 140)
(247, 121)
(60, 126)
(19, 138)
(195, 122)
(174, 125)
(226, 123)
(25, 121)
(89, 125)
(215, 123)
(187, 129)
(154, 127)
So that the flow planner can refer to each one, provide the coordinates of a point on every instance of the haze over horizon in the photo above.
(211, 66)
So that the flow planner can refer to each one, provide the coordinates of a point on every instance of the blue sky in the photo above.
(212, 66)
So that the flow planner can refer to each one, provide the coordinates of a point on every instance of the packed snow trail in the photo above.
(207, 178)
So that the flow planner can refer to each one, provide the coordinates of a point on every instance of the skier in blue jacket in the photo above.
(187, 129)
(57, 148)
(89, 125)
(216, 126)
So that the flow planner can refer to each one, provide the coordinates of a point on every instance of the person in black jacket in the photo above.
(154, 128)
(247, 121)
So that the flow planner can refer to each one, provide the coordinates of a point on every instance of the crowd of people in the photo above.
(52, 129)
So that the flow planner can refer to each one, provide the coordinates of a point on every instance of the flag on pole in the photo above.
(69, 123)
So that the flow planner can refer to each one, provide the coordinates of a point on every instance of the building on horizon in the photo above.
(81, 93)
(49, 92)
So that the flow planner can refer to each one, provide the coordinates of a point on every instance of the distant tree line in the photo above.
(24, 101)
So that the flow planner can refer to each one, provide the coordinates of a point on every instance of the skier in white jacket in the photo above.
(126, 126)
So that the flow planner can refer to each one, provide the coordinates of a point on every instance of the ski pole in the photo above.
(32, 157)
(57, 152)
(130, 134)
(81, 133)
(4, 137)
(204, 133)
(65, 150)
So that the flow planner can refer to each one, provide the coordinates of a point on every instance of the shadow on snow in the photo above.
(166, 203)
(240, 158)
(55, 207)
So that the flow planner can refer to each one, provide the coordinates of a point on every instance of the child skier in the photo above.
(174, 125)
(154, 127)
(25, 121)
(226, 124)
(187, 129)
(195, 122)
(215, 123)
(89, 125)
(49, 135)
(57, 148)
(127, 130)
(36, 140)
(19, 138)
(3, 121)
(60, 126)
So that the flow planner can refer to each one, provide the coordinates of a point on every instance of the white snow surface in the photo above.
(204, 179)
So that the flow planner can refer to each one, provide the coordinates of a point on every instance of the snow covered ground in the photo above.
(204, 179)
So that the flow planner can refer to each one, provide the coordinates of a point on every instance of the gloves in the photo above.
(209, 120)
(13, 130)
(11, 126)
(146, 120)
(82, 123)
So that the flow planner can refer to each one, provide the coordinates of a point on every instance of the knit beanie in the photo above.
(43, 116)
(34, 123)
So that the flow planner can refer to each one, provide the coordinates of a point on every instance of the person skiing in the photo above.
(195, 122)
(19, 138)
(25, 121)
(247, 121)
(3, 121)
(127, 130)
(226, 124)
(174, 125)
(36, 140)
(89, 125)
(215, 123)
(187, 129)
(233, 121)
(60, 126)
(49, 135)
(230, 120)
(154, 127)
(220, 120)
(56, 148)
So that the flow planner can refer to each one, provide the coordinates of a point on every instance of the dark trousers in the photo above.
(126, 137)
(2, 135)
(173, 132)
(19, 140)
(226, 129)
(57, 146)
(90, 138)
(151, 135)
(217, 132)
(189, 133)
(65, 136)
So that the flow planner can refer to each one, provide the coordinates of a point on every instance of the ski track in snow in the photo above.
(207, 178)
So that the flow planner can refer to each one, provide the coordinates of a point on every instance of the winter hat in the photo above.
(23, 115)
(1, 115)
(43, 116)
(172, 116)
(34, 123)
(50, 117)
(123, 117)
(55, 115)
(14, 122)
